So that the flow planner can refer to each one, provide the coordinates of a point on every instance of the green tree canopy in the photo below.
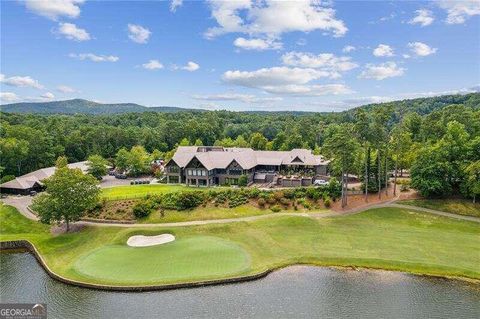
(69, 194)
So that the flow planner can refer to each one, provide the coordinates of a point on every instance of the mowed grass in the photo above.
(383, 238)
(137, 191)
(455, 206)
(205, 256)
(208, 213)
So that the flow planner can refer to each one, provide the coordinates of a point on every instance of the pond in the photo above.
(293, 292)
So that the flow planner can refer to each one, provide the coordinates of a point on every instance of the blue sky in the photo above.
(238, 55)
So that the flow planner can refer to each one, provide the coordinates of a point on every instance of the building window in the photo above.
(173, 179)
(235, 172)
(221, 171)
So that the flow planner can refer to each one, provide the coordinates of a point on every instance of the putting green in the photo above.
(185, 259)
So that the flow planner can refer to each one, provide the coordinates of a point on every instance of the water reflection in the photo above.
(294, 292)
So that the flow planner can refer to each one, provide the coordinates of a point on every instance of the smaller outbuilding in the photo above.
(25, 184)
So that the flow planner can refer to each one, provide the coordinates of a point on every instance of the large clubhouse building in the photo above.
(216, 165)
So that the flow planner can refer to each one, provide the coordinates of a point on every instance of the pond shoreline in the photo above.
(25, 245)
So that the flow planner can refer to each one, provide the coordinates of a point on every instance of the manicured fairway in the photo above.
(386, 238)
(201, 257)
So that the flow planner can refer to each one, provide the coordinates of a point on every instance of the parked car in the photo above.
(121, 176)
(320, 182)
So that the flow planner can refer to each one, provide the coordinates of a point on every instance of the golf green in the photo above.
(185, 259)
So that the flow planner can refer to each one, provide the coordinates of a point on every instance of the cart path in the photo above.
(22, 203)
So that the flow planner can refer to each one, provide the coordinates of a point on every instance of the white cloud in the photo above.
(71, 32)
(421, 49)
(152, 65)
(310, 90)
(383, 50)
(257, 44)
(190, 66)
(94, 57)
(285, 80)
(175, 4)
(245, 98)
(382, 71)
(348, 49)
(66, 89)
(301, 42)
(138, 34)
(47, 96)
(273, 18)
(20, 81)
(423, 17)
(8, 97)
(327, 62)
(459, 11)
(54, 9)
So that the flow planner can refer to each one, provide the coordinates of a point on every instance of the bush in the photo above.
(243, 180)
(327, 202)
(142, 209)
(275, 208)
(271, 199)
(182, 200)
(284, 201)
(278, 195)
(261, 202)
(404, 188)
(289, 193)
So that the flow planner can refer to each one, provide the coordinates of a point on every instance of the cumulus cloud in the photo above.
(459, 11)
(66, 89)
(327, 62)
(285, 80)
(20, 81)
(421, 49)
(382, 71)
(245, 98)
(94, 57)
(53, 9)
(138, 34)
(383, 50)
(348, 49)
(423, 17)
(152, 65)
(8, 97)
(273, 18)
(257, 44)
(72, 32)
(174, 4)
(190, 66)
(47, 96)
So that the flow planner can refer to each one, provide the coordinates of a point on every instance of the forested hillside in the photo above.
(398, 132)
(80, 106)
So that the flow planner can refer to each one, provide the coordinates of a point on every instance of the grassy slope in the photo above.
(455, 206)
(136, 191)
(206, 213)
(387, 238)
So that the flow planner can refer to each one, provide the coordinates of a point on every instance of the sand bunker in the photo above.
(144, 241)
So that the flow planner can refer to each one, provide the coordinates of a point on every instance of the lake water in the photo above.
(294, 292)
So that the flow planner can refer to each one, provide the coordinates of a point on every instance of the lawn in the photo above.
(205, 256)
(207, 213)
(386, 238)
(455, 206)
(137, 191)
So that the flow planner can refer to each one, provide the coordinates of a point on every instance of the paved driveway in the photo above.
(21, 203)
(111, 181)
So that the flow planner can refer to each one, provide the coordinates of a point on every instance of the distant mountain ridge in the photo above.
(81, 106)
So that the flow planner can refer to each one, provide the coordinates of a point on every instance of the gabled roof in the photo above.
(246, 157)
(29, 180)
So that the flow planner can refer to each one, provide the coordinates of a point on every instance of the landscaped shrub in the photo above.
(271, 199)
(182, 200)
(334, 188)
(261, 202)
(284, 201)
(253, 192)
(278, 195)
(289, 193)
(141, 209)
(243, 180)
(326, 202)
(275, 208)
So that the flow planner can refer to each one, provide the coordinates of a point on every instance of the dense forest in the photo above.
(370, 139)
